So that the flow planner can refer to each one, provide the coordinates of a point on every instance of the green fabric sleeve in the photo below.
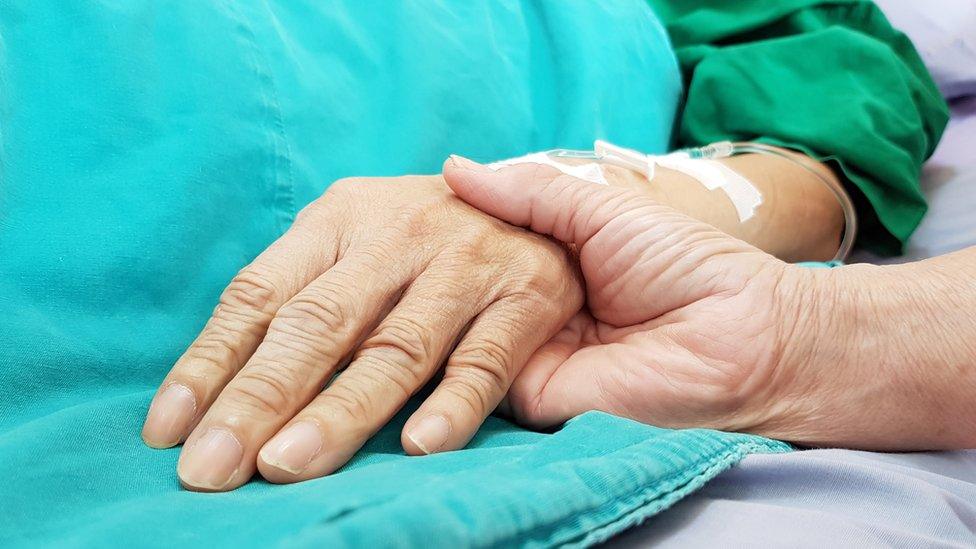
(830, 78)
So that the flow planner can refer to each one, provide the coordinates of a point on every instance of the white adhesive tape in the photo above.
(590, 171)
(745, 197)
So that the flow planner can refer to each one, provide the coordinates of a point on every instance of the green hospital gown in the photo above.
(830, 78)
(149, 150)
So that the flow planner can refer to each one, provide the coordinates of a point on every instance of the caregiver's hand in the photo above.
(390, 276)
(684, 324)
(688, 327)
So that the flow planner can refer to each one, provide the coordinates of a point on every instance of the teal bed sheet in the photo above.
(149, 150)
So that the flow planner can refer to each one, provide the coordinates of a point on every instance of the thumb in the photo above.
(640, 258)
(544, 199)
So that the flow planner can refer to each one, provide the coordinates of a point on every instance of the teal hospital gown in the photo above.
(149, 150)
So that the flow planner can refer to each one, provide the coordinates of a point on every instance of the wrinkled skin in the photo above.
(684, 326)
(688, 327)
(381, 279)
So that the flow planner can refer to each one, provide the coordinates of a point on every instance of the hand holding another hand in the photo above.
(382, 282)
(686, 326)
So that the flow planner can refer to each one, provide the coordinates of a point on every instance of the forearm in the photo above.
(905, 340)
(799, 220)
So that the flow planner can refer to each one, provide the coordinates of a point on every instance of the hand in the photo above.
(685, 325)
(389, 278)
(688, 327)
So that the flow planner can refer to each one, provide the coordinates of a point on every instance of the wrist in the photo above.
(807, 335)
(870, 360)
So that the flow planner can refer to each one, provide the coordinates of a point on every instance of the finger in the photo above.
(644, 379)
(395, 362)
(478, 374)
(307, 339)
(236, 328)
(567, 382)
(523, 397)
(544, 199)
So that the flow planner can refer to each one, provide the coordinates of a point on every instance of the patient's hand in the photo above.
(389, 279)
(685, 326)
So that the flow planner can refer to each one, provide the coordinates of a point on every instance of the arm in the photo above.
(906, 338)
(800, 218)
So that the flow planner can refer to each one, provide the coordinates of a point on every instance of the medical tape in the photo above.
(587, 172)
(745, 197)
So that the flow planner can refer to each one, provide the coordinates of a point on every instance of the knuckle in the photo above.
(341, 199)
(291, 336)
(322, 311)
(542, 271)
(252, 291)
(480, 246)
(485, 364)
(565, 189)
(374, 371)
(416, 221)
(401, 340)
(349, 401)
(261, 392)
(559, 189)
(307, 321)
(400, 353)
(470, 392)
(384, 251)
(212, 353)
(467, 264)
(381, 371)
(543, 264)
(335, 209)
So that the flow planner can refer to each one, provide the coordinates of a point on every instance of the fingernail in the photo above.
(211, 461)
(294, 448)
(463, 163)
(169, 416)
(430, 433)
